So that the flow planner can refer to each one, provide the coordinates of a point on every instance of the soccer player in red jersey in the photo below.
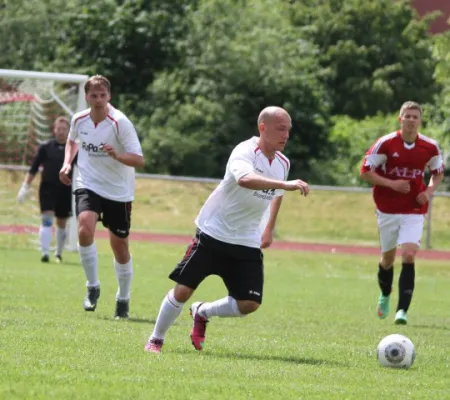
(395, 166)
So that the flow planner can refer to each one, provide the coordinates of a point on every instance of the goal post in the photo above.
(30, 101)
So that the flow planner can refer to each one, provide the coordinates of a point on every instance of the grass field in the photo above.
(324, 216)
(313, 338)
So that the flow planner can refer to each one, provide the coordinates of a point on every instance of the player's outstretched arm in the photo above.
(257, 182)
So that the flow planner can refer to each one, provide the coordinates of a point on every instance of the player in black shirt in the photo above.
(55, 198)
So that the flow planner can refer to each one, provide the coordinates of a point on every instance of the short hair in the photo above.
(410, 105)
(97, 80)
(62, 119)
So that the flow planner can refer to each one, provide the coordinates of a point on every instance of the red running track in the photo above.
(278, 245)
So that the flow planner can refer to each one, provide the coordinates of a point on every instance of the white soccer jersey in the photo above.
(97, 171)
(233, 214)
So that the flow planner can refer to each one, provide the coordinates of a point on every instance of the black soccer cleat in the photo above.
(122, 309)
(45, 258)
(90, 301)
(58, 259)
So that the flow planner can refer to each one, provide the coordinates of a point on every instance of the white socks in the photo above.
(45, 239)
(226, 307)
(124, 274)
(168, 313)
(60, 240)
(89, 260)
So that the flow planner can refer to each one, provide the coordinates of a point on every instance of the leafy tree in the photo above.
(377, 54)
(30, 31)
(238, 60)
(126, 40)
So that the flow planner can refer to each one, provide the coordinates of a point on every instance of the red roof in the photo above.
(441, 23)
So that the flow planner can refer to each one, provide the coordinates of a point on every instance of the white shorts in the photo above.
(397, 229)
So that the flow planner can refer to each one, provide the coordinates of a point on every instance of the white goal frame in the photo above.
(81, 105)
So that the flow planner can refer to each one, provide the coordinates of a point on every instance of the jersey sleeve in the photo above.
(128, 137)
(375, 156)
(38, 160)
(240, 163)
(73, 133)
(436, 163)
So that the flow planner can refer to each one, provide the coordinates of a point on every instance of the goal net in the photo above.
(29, 103)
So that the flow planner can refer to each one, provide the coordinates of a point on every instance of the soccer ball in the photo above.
(396, 351)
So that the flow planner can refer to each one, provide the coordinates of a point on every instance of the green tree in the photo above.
(377, 54)
(30, 31)
(239, 59)
(126, 40)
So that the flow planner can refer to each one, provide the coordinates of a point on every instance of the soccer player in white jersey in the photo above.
(395, 166)
(230, 232)
(108, 151)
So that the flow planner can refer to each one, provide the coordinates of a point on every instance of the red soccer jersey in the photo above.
(394, 159)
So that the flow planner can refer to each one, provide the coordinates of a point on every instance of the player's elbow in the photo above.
(140, 161)
(244, 182)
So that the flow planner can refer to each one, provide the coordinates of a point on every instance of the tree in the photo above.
(240, 56)
(126, 40)
(377, 54)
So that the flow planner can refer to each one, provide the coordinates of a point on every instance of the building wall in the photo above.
(441, 23)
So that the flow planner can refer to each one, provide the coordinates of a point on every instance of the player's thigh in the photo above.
(244, 274)
(87, 200)
(117, 217)
(198, 262)
(63, 206)
(411, 229)
(47, 198)
(388, 230)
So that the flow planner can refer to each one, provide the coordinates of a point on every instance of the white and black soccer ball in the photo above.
(396, 351)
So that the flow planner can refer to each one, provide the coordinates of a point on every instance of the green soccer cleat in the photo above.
(400, 318)
(383, 306)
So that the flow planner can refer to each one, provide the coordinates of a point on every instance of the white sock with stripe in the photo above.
(226, 307)
(168, 313)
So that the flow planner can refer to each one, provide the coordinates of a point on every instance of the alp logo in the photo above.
(405, 172)
(93, 150)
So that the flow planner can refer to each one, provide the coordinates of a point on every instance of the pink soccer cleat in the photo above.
(199, 327)
(154, 346)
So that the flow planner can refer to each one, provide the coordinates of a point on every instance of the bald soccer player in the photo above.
(234, 224)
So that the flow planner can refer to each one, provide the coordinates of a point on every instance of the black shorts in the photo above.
(56, 198)
(115, 215)
(240, 267)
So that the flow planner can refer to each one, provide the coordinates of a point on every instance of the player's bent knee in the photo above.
(182, 293)
(247, 306)
(47, 220)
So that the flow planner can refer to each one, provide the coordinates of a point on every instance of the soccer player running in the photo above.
(395, 165)
(236, 221)
(55, 199)
(108, 151)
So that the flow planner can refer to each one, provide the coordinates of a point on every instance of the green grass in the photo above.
(324, 216)
(314, 337)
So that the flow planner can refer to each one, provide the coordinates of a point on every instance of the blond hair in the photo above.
(410, 105)
(97, 80)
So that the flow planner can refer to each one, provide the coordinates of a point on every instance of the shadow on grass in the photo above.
(443, 328)
(257, 357)
(135, 320)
